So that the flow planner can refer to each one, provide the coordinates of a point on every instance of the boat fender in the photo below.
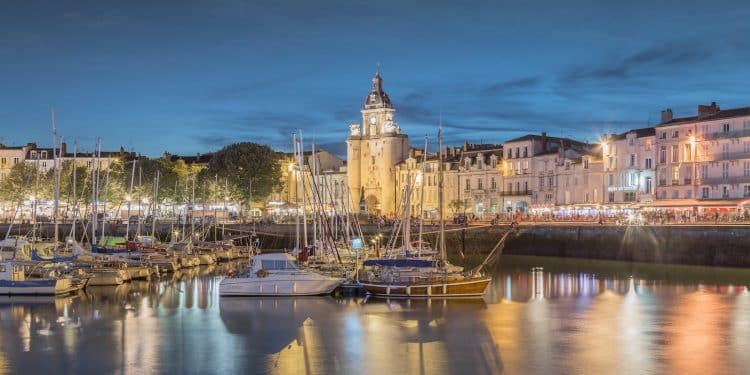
(261, 273)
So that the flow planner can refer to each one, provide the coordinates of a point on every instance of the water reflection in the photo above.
(540, 316)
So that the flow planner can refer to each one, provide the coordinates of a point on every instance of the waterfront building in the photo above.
(9, 157)
(480, 178)
(521, 173)
(703, 161)
(580, 180)
(374, 148)
(425, 183)
(330, 182)
(629, 167)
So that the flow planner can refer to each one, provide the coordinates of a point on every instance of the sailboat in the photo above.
(419, 278)
(278, 274)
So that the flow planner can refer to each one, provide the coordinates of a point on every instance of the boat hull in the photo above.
(50, 287)
(278, 287)
(468, 288)
(107, 277)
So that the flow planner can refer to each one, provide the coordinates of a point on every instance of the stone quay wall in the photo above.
(718, 245)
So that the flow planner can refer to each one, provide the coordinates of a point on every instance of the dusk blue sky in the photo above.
(192, 76)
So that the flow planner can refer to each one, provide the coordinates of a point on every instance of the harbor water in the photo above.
(540, 316)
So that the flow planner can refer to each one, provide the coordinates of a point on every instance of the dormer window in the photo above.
(33, 154)
(526, 151)
(493, 163)
(44, 154)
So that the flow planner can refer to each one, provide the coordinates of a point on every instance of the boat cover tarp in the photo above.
(399, 263)
(35, 256)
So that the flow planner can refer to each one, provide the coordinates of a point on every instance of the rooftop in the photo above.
(718, 115)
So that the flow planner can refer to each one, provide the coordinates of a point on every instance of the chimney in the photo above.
(544, 141)
(704, 110)
(666, 115)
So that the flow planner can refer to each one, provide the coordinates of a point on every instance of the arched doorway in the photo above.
(372, 205)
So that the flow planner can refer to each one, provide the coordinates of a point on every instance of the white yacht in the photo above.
(277, 274)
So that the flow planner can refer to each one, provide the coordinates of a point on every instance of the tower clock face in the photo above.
(373, 119)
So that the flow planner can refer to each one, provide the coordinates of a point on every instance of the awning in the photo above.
(685, 203)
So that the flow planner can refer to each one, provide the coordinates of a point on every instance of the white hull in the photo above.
(278, 285)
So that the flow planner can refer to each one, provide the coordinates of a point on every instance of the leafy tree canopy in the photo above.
(250, 170)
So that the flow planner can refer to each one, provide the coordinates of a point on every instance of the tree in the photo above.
(251, 171)
(456, 205)
(19, 184)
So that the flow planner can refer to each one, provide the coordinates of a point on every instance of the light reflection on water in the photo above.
(540, 316)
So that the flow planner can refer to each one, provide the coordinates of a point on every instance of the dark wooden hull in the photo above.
(466, 288)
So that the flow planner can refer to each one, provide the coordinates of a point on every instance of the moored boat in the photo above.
(13, 281)
(277, 274)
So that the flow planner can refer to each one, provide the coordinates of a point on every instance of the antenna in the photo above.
(377, 67)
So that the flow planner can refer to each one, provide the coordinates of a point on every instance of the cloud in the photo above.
(512, 85)
(587, 74)
(657, 59)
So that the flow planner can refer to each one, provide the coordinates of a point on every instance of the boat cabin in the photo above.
(12, 271)
(274, 262)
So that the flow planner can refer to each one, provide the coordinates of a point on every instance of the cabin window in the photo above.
(278, 265)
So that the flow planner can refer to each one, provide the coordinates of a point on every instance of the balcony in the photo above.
(719, 156)
(662, 182)
(515, 193)
(724, 180)
(675, 182)
(732, 134)
(688, 181)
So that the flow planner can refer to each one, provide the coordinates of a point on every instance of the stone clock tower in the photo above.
(373, 150)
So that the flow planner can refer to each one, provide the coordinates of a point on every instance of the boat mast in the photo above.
(36, 199)
(301, 156)
(130, 199)
(296, 196)
(75, 197)
(94, 192)
(106, 193)
(313, 205)
(56, 178)
(406, 239)
(155, 210)
(421, 196)
(443, 254)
